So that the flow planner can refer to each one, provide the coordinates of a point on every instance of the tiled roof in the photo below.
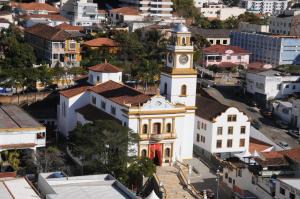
(98, 42)
(74, 91)
(68, 27)
(105, 68)
(257, 145)
(210, 33)
(293, 154)
(126, 10)
(208, 108)
(17, 146)
(221, 49)
(37, 6)
(48, 32)
(92, 113)
(272, 158)
(54, 17)
(120, 94)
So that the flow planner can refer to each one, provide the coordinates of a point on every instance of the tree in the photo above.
(148, 72)
(104, 147)
(216, 24)
(49, 159)
(185, 8)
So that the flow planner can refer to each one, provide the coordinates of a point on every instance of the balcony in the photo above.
(157, 137)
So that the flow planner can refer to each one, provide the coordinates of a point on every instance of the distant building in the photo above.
(34, 8)
(268, 48)
(213, 36)
(4, 23)
(102, 44)
(53, 45)
(219, 11)
(271, 84)
(220, 130)
(58, 185)
(225, 56)
(286, 23)
(296, 113)
(268, 7)
(249, 27)
(287, 188)
(204, 3)
(18, 130)
(283, 110)
(124, 15)
(50, 20)
(152, 8)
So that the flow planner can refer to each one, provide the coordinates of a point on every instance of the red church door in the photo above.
(156, 153)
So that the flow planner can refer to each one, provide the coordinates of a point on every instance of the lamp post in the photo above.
(217, 179)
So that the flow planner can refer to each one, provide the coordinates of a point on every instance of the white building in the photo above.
(204, 3)
(213, 36)
(296, 113)
(271, 84)
(163, 122)
(249, 27)
(219, 11)
(287, 188)
(269, 7)
(58, 185)
(286, 23)
(220, 130)
(81, 13)
(18, 130)
(283, 110)
(124, 15)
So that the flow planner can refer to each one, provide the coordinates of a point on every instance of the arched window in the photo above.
(144, 153)
(165, 88)
(167, 152)
(145, 129)
(156, 128)
(183, 41)
(183, 90)
(168, 127)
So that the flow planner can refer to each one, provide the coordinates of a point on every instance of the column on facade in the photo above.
(173, 127)
(150, 128)
(164, 125)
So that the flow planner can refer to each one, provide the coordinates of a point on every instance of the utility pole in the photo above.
(218, 179)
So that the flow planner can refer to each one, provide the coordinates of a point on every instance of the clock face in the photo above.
(183, 59)
(170, 57)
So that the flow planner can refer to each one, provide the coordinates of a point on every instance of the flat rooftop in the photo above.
(17, 189)
(293, 182)
(89, 186)
(12, 117)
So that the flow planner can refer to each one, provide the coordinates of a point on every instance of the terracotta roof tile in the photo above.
(54, 17)
(17, 146)
(68, 27)
(293, 154)
(221, 49)
(272, 158)
(126, 10)
(37, 6)
(74, 91)
(105, 68)
(120, 94)
(208, 108)
(257, 145)
(98, 42)
(48, 32)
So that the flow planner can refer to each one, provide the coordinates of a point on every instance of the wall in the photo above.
(23, 98)
(288, 189)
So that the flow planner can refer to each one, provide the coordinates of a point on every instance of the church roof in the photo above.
(74, 91)
(105, 68)
(120, 94)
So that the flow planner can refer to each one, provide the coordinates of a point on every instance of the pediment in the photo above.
(157, 102)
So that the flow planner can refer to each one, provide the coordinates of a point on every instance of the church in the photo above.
(164, 122)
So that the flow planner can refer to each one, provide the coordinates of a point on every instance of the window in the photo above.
(240, 172)
(40, 135)
(165, 88)
(211, 41)
(183, 41)
(169, 127)
(230, 130)
(231, 118)
(282, 191)
(226, 175)
(204, 126)
(294, 87)
(230, 180)
(243, 129)
(167, 152)
(72, 45)
(144, 153)
(287, 86)
(239, 57)
(198, 124)
(183, 90)
(228, 57)
(198, 137)
(224, 41)
(229, 143)
(93, 99)
(103, 105)
(218, 42)
(219, 143)
(156, 128)
(292, 196)
(242, 142)
(202, 139)
(98, 78)
(113, 110)
(220, 130)
(145, 129)
(55, 56)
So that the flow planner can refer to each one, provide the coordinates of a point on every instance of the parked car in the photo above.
(294, 133)
(30, 89)
(284, 145)
(256, 124)
(51, 87)
(282, 124)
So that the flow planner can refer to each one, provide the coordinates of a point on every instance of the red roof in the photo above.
(17, 146)
(54, 17)
(101, 41)
(73, 91)
(48, 32)
(37, 6)
(126, 10)
(105, 68)
(257, 145)
(68, 27)
(223, 49)
(293, 154)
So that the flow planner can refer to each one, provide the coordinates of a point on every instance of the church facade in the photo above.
(164, 122)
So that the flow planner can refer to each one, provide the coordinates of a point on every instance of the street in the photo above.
(227, 95)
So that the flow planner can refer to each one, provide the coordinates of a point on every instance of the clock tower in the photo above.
(179, 78)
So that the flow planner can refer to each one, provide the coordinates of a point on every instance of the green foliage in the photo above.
(294, 69)
(185, 8)
(13, 159)
(104, 147)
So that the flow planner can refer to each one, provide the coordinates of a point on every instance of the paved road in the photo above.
(226, 95)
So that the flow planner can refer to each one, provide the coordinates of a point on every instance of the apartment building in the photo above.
(204, 3)
(53, 45)
(153, 8)
(286, 23)
(249, 27)
(268, 48)
(268, 7)
(220, 130)
(221, 12)
(215, 36)
(124, 15)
